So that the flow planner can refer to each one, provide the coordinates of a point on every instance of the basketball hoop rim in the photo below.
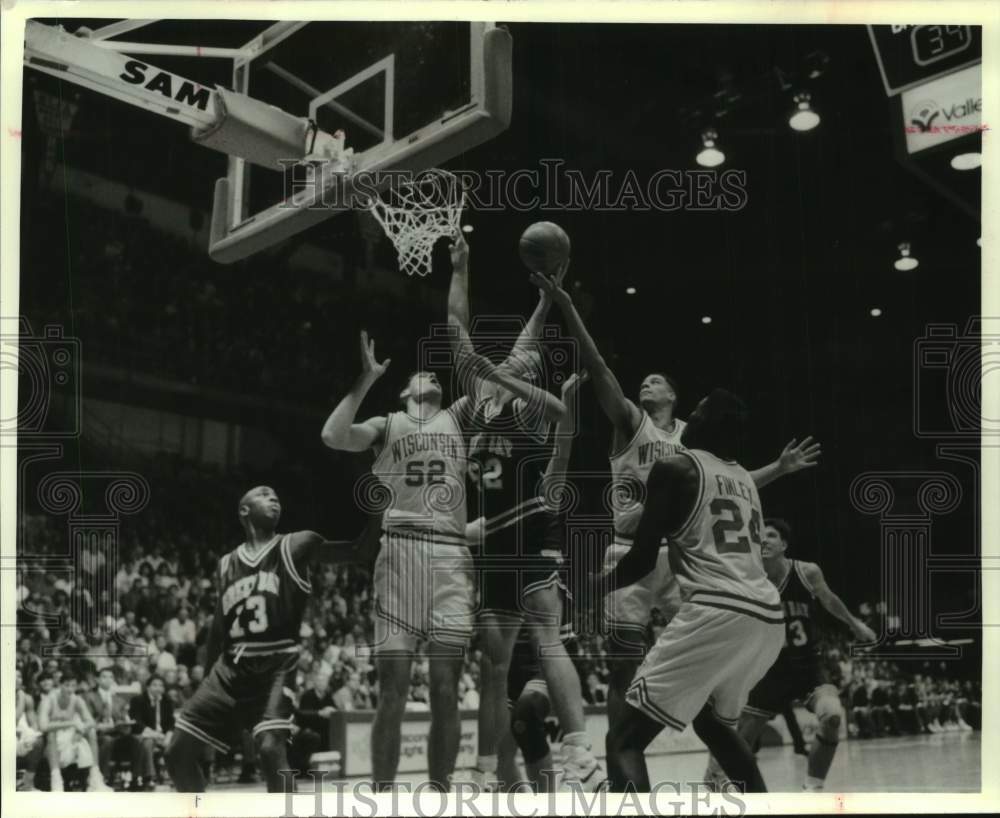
(416, 222)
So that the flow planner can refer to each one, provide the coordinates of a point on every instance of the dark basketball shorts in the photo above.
(516, 561)
(786, 682)
(256, 693)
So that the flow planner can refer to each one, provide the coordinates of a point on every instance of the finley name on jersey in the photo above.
(733, 487)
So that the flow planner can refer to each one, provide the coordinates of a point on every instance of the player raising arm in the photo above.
(641, 435)
(508, 422)
(340, 430)
(263, 587)
(730, 626)
(423, 574)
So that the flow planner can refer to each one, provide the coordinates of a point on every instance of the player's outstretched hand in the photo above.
(369, 365)
(796, 456)
(573, 383)
(549, 287)
(459, 249)
(863, 633)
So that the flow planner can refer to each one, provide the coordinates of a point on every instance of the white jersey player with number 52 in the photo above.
(423, 574)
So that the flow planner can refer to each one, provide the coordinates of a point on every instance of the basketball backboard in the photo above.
(407, 95)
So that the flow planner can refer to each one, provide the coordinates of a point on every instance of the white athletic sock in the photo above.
(813, 783)
(488, 764)
(576, 744)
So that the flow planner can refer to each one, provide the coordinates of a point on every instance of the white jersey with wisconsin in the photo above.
(715, 554)
(630, 468)
(423, 464)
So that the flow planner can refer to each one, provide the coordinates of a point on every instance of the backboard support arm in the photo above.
(235, 236)
(75, 59)
(227, 121)
(249, 130)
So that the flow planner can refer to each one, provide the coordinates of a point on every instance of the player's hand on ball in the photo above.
(559, 273)
(369, 365)
(863, 633)
(573, 383)
(796, 456)
(459, 249)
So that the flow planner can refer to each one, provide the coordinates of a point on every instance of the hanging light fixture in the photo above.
(905, 261)
(710, 156)
(804, 118)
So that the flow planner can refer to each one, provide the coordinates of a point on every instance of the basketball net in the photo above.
(414, 214)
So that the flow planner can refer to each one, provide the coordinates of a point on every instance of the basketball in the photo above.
(543, 246)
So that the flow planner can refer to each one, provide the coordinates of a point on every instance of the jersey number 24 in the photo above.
(728, 533)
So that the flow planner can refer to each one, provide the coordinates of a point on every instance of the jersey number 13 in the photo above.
(256, 604)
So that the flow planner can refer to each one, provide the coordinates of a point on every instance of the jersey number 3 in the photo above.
(258, 624)
(728, 533)
(797, 636)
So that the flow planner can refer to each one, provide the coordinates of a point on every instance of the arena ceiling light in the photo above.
(706, 319)
(804, 118)
(630, 290)
(906, 261)
(816, 64)
(875, 312)
(710, 156)
(967, 161)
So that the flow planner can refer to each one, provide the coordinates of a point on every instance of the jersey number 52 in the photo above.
(419, 472)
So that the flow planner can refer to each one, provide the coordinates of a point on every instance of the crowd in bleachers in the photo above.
(153, 640)
(146, 643)
(225, 325)
(153, 631)
(884, 697)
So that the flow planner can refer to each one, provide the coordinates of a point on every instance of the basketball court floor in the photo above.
(942, 762)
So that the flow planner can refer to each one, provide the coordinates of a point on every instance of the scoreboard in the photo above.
(932, 75)
(911, 55)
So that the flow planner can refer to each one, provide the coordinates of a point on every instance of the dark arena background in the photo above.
(157, 385)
